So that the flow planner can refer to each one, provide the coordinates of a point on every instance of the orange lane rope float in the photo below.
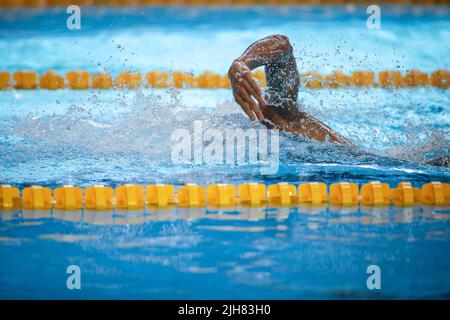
(79, 80)
(136, 197)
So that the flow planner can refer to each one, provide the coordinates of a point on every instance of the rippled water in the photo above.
(114, 136)
(286, 253)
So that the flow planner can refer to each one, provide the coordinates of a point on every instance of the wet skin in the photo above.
(278, 108)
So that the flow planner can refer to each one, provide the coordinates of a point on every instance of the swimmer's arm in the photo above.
(276, 54)
(272, 50)
(312, 128)
(300, 123)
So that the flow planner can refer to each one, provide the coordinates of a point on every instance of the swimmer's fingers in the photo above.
(252, 93)
(249, 100)
(244, 90)
(254, 87)
(244, 106)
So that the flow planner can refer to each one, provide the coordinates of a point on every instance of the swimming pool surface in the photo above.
(114, 137)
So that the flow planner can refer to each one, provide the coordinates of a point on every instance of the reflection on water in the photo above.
(244, 252)
(336, 214)
(256, 220)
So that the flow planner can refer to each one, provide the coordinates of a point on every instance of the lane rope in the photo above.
(191, 195)
(81, 80)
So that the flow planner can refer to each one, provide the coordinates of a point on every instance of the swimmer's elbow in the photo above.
(283, 43)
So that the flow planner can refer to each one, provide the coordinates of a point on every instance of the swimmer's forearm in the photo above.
(300, 123)
(273, 49)
(314, 129)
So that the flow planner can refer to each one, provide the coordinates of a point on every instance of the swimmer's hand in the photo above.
(246, 90)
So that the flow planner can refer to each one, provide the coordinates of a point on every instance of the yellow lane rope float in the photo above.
(136, 197)
(80, 80)
(34, 3)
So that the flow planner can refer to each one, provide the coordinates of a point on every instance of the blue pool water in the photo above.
(114, 137)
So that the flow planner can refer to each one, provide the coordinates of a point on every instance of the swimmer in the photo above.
(278, 108)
